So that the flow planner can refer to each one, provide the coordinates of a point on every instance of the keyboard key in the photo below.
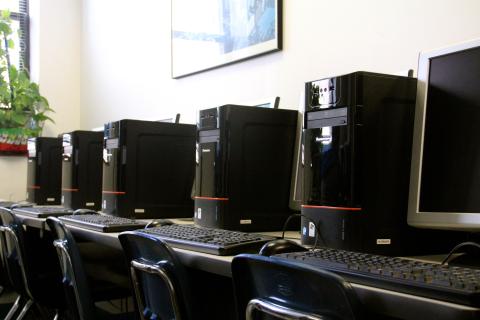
(441, 282)
(102, 223)
(42, 212)
(209, 240)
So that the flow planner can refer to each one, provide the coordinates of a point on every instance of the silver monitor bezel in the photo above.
(469, 221)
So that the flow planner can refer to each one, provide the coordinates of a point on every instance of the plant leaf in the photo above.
(5, 28)
(13, 73)
(5, 14)
(19, 118)
(21, 104)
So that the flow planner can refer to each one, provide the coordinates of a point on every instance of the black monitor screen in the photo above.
(450, 178)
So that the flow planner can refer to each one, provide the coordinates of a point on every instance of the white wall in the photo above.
(13, 178)
(101, 60)
(55, 65)
(56, 61)
(126, 53)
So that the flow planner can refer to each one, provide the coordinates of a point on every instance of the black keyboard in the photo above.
(102, 223)
(214, 241)
(436, 281)
(42, 212)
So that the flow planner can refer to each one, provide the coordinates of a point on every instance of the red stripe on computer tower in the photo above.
(332, 208)
(33, 187)
(114, 192)
(209, 198)
(70, 190)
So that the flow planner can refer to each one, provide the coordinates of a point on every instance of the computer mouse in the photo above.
(159, 223)
(84, 211)
(280, 246)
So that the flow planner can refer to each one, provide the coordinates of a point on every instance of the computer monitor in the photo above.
(445, 172)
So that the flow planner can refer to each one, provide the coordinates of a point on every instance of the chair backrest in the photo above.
(158, 278)
(265, 286)
(74, 280)
(13, 253)
(4, 278)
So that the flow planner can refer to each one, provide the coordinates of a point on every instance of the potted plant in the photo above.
(22, 108)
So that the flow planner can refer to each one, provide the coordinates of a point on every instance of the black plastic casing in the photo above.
(82, 170)
(357, 151)
(148, 169)
(44, 170)
(244, 167)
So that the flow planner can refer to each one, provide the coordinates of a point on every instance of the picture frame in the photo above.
(213, 33)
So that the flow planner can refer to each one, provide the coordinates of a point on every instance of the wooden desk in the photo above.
(380, 301)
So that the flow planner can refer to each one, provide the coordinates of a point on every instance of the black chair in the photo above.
(81, 292)
(269, 288)
(159, 279)
(4, 281)
(34, 276)
(6, 278)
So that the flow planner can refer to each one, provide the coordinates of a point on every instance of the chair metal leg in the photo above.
(25, 309)
(279, 312)
(56, 316)
(13, 309)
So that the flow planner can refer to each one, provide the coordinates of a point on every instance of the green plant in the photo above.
(21, 104)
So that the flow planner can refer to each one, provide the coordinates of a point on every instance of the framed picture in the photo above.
(211, 33)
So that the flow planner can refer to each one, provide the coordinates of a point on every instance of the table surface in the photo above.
(392, 303)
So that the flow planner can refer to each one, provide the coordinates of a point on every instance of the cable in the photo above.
(83, 211)
(150, 224)
(317, 235)
(458, 246)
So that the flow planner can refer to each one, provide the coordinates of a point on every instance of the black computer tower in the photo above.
(356, 150)
(244, 167)
(148, 169)
(82, 169)
(44, 170)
